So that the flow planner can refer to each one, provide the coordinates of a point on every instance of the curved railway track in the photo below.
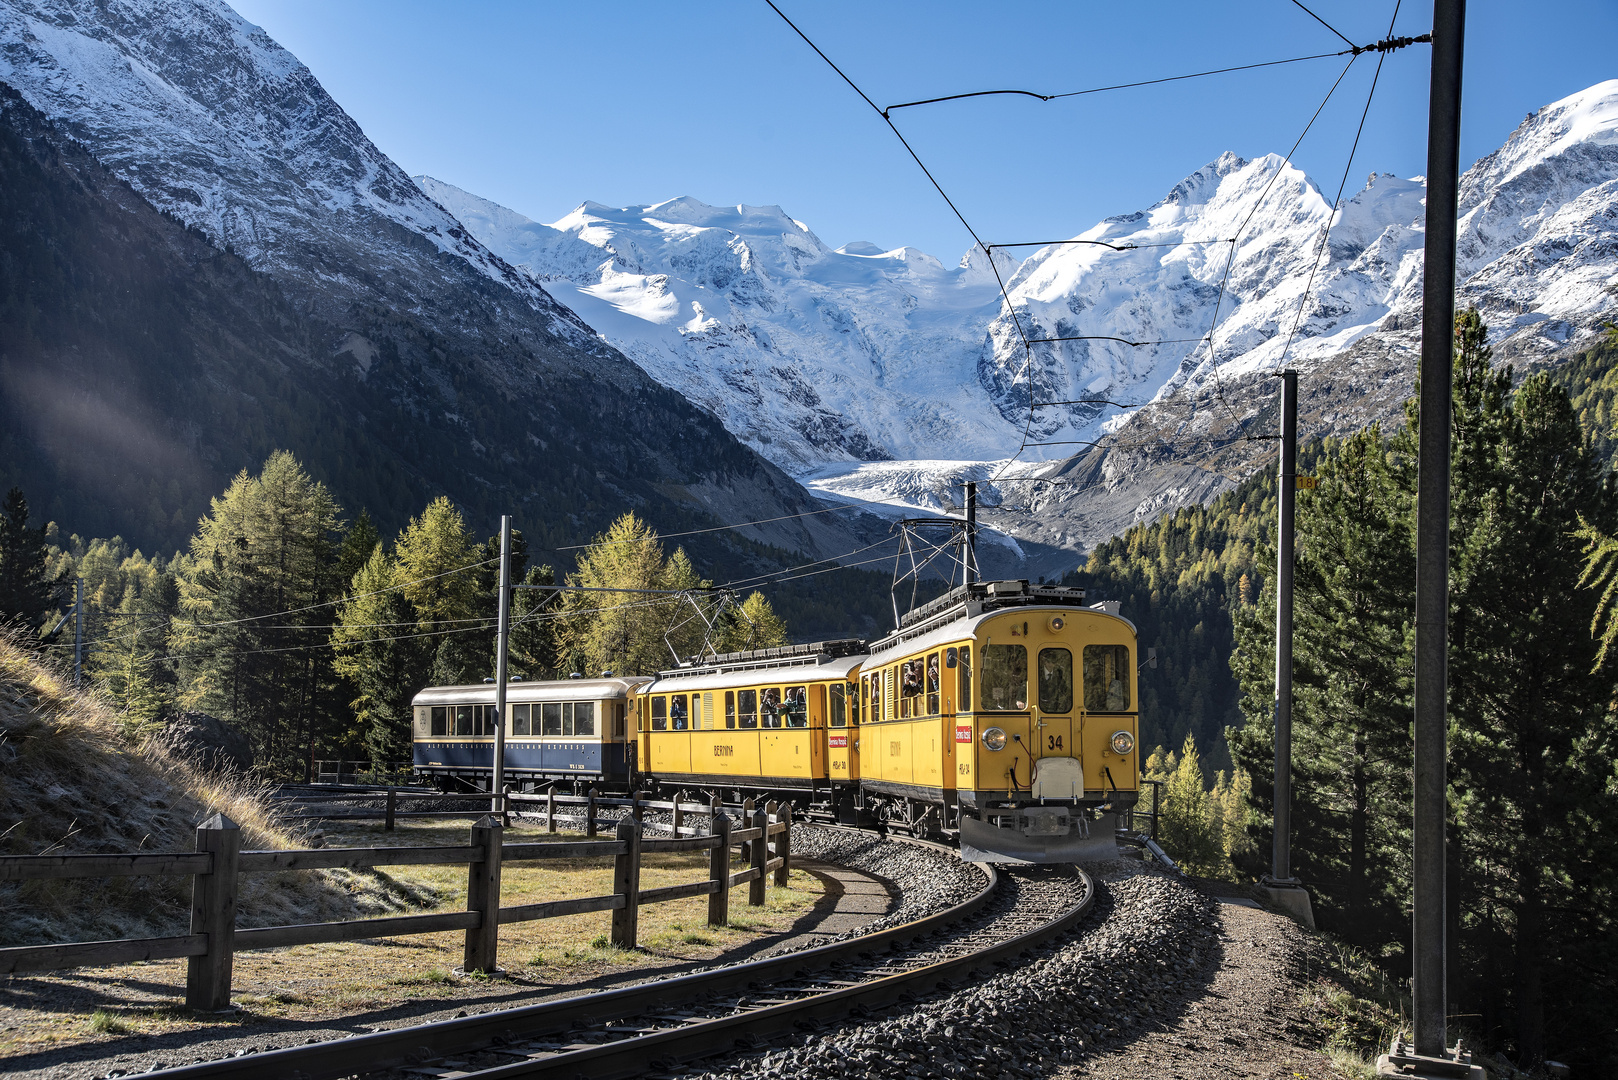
(656, 1026)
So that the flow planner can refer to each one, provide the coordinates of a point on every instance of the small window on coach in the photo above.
(618, 720)
(963, 666)
(730, 708)
(1106, 678)
(1004, 685)
(1055, 680)
(584, 719)
(839, 708)
(519, 719)
(440, 720)
(853, 695)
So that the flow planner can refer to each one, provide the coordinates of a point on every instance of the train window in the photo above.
(1055, 681)
(519, 719)
(839, 710)
(1106, 678)
(660, 714)
(550, 720)
(932, 684)
(1004, 684)
(584, 718)
(440, 720)
(964, 665)
(679, 719)
(618, 721)
(488, 721)
(730, 708)
(463, 720)
(795, 706)
(910, 688)
(769, 707)
(853, 695)
(747, 708)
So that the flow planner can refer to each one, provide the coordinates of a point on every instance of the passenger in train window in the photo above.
(551, 718)
(519, 719)
(730, 708)
(584, 718)
(770, 707)
(795, 707)
(747, 708)
(853, 703)
(932, 684)
(463, 719)
(677, 714)
(910, 689)
(660, 713)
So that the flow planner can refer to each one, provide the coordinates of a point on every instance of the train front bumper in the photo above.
(1039, 834)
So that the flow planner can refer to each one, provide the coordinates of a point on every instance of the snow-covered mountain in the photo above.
(827, 359)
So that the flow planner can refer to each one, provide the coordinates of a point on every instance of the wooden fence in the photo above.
(218, 861)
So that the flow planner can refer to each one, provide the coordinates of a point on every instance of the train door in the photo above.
(817, 731)
(842, 709)
(1059, 771)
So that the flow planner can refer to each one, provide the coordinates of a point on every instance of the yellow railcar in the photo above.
(770, 720)
(1007, 712)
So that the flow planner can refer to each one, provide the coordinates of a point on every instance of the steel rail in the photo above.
(695, 1040)
(408, 1046)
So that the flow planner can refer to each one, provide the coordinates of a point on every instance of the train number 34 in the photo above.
(1053, 742)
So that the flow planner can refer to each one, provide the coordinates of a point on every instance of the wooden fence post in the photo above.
(677, 817)
(505, 806)
(483, 895)
(590, 816)
(719, 870)
(626, 883)
(393, 800)
(747, 820)
(213, 912)
(761, 853)
(550, 808)
(783, 845)
(636, 810)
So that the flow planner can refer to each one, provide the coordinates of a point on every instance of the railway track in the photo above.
(655, 1027)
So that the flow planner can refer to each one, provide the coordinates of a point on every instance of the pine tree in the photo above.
(27, 591)
(754, 626)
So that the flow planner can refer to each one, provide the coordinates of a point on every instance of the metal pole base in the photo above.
(1402, 1060)
(1290, 896)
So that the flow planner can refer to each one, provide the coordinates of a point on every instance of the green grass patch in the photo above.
(103, 1022)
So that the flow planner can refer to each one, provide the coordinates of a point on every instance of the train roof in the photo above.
(544, 690)
(804, 666)
(959, 612)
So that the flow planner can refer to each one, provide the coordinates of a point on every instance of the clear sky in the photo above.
(542, 105)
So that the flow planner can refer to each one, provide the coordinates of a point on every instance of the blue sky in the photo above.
(540, 105)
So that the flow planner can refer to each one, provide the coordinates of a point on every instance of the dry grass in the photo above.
(72, 781)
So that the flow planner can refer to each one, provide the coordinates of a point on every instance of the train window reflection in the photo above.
(1055, 680)
(519, 719)
(747, 707)
(730, 708)
(660, 713)
(1004, 684)
(584, 719)
(839, 709)
(1106, 678)
(964, 665)
(440, 720)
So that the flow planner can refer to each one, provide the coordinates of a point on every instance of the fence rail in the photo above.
(216, 865)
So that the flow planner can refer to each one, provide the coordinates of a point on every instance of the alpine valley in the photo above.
(207, 259)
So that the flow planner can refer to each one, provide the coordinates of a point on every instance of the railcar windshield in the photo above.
(1055, 680)
(1106, 678)
(1004, 684)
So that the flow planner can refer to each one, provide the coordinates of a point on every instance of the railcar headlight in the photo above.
(1056, 624)
(994, 738)
(1122, 742)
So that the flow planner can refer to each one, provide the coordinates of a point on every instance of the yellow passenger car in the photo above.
(1007, 712)
(777, 720)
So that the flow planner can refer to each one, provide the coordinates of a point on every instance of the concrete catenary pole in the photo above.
(1432, 529)
(497, 786)
(1287, 497)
